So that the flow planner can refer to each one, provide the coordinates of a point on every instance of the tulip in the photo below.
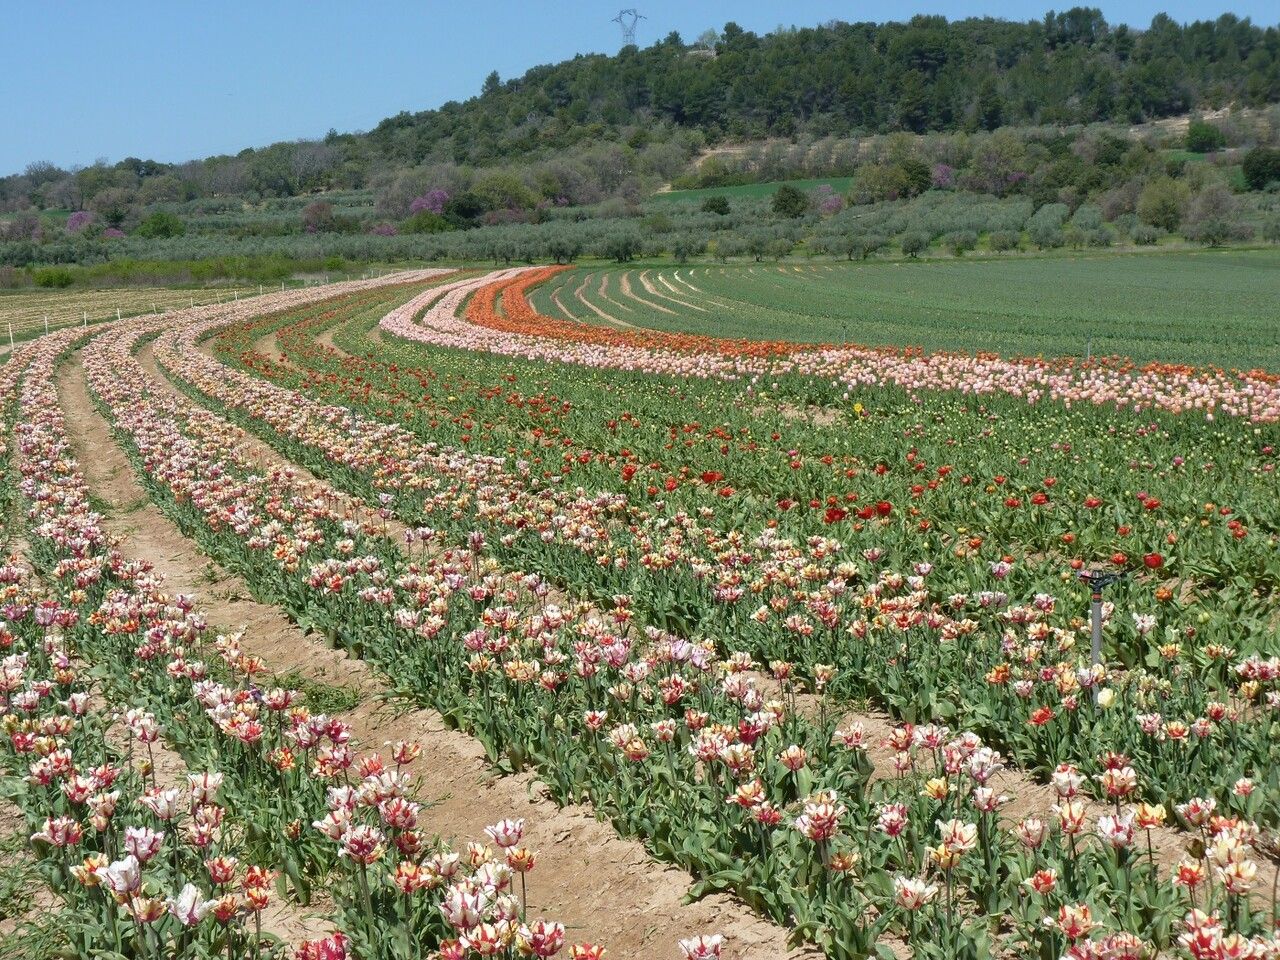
(189, 907)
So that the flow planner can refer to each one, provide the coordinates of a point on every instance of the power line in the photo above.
(627, 20)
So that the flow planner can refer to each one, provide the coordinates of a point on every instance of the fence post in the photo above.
(46, 323)
(84, 319)
(117, 313)
(11, 338)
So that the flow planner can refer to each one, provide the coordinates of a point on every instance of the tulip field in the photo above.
(459, 614)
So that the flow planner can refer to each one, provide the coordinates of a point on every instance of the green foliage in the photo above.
(1211, 216)
(321, 697)
(717, 204)
(1261, 167)
(161, 225)
(960, 242)
(789, 202)
(1204, 137)
(1144, 236)
(1162, 202)
(1002, 241)
(914, 244)
(54, 277)
(889, 181)
(424, 221)
(621, 245)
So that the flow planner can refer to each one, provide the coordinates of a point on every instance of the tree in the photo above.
(788, 201)
(1261, 167)
(914, 244)
(960, 242)
(621, 245)
(161, 225)
(317, 216)
(1162, 202)
(1204, 137)
(564, 247)
(717, 204)
(686, 246)
(1002, 241)
(1211, 216)
(860, 245)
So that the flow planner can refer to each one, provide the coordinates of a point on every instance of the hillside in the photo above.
(913, 135)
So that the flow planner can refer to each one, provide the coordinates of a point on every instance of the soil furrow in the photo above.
(602, 887)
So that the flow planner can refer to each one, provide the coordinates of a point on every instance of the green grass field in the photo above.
(1201, 307)
(750, 191)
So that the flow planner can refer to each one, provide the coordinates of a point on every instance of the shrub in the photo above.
(1144, 235)
(1261, 167)
(424, 221)
(1101, 237)
(790, 202)
(1204, 137)
(1161, 203)
(54, 277)
(1271, 230)
(718, 205)
(1211, 216)
(161, 225)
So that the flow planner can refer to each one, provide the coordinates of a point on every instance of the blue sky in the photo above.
(177, 80)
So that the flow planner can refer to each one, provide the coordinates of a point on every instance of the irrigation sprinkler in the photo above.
(1097, 581)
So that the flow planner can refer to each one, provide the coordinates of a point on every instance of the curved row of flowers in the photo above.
(517, 330)
(274, 766)
(1016, 670)
(524, 682)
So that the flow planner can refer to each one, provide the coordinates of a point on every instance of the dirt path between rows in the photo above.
(625, 283)
(603, 888)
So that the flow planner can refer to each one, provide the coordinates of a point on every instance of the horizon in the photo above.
(199, 113)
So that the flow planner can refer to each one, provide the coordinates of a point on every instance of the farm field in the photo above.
(25, 312)
(1164, 307)
(424, 616)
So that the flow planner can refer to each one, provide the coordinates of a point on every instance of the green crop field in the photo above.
(1202, 307)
